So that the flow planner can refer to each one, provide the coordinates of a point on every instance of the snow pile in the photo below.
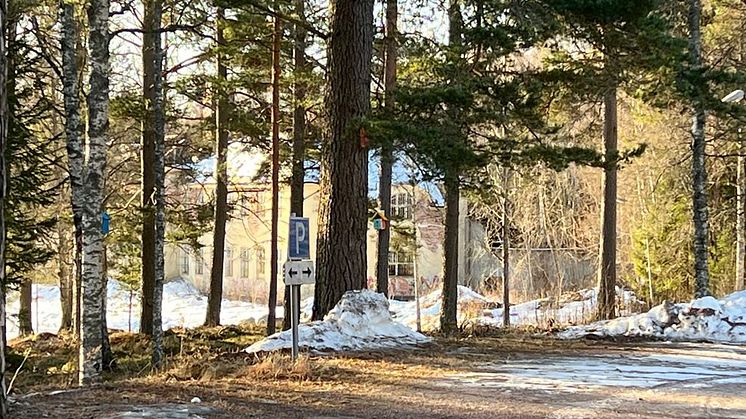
(361, 320)
(701, 319)
(183, 306)
(574, 308)
(470, 305)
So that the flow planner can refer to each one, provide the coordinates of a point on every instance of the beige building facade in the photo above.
(416, 244)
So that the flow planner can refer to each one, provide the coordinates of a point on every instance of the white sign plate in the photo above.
(299, 272)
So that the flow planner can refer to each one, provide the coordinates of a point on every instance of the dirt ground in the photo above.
(515, 376)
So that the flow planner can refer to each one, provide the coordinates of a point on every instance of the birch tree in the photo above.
(74, 137)
(699, 170)
(91, 337)
(147, 162)
(154, 126)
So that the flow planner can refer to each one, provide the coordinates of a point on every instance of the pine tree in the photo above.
(222, 111)
(341, 258)
(297, 182)
(3, 195)
(387, 155)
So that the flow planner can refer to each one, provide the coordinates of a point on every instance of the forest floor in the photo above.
(499, 375)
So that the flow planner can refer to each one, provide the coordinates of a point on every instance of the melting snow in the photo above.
(717, 365)
(361, 320)
(183, 306)
(701, 319)
(574, 308)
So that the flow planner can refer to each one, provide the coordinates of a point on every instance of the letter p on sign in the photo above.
(299, 243)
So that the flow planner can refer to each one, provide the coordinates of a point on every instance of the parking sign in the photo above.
(299, 246)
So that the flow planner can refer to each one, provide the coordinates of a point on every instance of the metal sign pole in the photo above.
(295, 316)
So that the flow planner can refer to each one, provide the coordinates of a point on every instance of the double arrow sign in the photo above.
(292, 272)
(299, 272)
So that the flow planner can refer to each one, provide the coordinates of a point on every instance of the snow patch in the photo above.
(361, 320)
(574, 308)
(183, 306)
(705, 318)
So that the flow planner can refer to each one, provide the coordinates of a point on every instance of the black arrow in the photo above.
(292, 273)
(308, 272)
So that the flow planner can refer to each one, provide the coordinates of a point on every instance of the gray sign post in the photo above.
(298, 270)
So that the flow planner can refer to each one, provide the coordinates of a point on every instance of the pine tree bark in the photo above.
(297, 182)
(74, 136)
(3, 195)
(741, 214)
(147, 162)
(343, 222)
(276, 39)
(699, 170)
(91, 337)
(506, 247)
(215, 297)
(606, 308)
(449, 305)
(154, 23)
(25, 326)
(387, 155)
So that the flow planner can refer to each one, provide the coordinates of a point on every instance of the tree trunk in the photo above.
(607, 278)
(107, 355)
(74, 136)
(90, 360)
(387, 155)
(506, 248)
(215, 297)
(3, 195)
(147, 162)
(343, 221)
(449, 306)
(741, 214)
(297, 182)
(25, 326)
(699, 170)
(65, 279)
(160, 182)
(448, 313)
(273, 258)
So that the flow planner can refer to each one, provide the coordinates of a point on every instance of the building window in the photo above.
(401, 264)
(401, 206)
(228, 262)
(244, 262)
(184, 262)
(199, 263)
(260, 260)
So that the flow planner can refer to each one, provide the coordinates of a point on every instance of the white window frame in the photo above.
(401, 261)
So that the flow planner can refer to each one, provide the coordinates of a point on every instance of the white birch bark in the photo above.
(699, 170)
(160, 175)
(74, 136)
(91, 338)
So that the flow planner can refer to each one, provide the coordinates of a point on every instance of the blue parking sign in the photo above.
(299, 246)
